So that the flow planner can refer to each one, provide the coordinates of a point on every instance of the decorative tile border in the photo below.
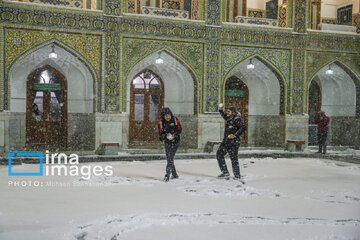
(255, 13)
(173, 29)
(113, 7)
(283, 17)
(62, 3)
(212, 79)
(298, 81)
(110, 94)
(213, 12)
(300, 19)
(165, 12)
(257, 21)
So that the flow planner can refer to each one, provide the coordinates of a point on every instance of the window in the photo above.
(189, 9)
(334, 15)
(268, 13)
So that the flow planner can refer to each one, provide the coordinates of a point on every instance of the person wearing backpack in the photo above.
(169, 131)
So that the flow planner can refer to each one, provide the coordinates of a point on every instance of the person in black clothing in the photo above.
(169, 130)
(231, 142)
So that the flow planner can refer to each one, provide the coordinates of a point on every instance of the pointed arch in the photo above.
(153, 73)
(196, 81)
(352, 74)
(279, 75)
(179, 59)
(62, 45)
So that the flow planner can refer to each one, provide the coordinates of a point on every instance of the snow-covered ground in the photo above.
(282, 199)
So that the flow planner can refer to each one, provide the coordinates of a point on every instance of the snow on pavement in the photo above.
(282, 199)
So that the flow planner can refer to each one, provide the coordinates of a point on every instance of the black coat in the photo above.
(234, 125)
(173, 126)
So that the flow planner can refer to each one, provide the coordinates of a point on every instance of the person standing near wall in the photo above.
(170, 130)
(231, 142)
(322, 122)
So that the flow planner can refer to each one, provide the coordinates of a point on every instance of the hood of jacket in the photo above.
(166, 111)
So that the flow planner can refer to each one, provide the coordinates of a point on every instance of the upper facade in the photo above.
(328, 15)
(310, 35)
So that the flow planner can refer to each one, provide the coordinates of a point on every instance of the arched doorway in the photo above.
(46, 108)
(266, 101)
(146, 102)
(237, 94)
(340, 98)
(180, 94)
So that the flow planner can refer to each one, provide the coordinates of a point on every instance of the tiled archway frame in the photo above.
(21, 42)
(350, 63)
(190, 54)
(279, 60)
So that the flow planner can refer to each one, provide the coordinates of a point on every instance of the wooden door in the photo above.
(146, 102)
(237, 95)
(46, 108)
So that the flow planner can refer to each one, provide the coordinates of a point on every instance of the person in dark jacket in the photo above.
(170, 130)
(231, 142)
(322, 122)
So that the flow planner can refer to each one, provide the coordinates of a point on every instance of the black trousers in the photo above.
(322, 141)
(231, 147)
(170, 149)
(322, 138)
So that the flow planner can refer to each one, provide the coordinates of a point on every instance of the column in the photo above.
(212, 57)
(283, 14)
(297, 121)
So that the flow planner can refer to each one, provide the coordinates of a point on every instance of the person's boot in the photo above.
(224, 175)
(238, 178)
(324, 150)
(174, 176)
(320, 149)
(166, 178)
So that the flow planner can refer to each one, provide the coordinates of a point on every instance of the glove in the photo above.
(170, 136)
